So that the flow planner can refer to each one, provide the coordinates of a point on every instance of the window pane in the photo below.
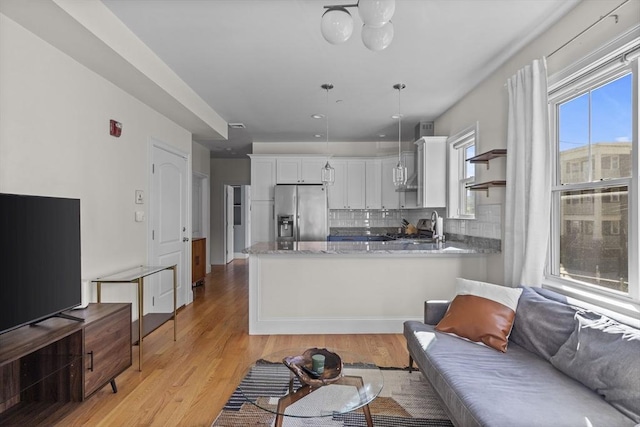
(470, 206)
(470, 168)
(573, 133)
(594, 130)
(593, 237)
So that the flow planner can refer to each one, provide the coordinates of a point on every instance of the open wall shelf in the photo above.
(485, 186)
(489, 155)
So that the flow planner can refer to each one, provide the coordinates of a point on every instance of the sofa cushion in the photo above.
(481, 312)
(482, 387)
(541, 324)
(604, 355)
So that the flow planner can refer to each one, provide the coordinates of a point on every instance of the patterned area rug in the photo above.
(406, 400)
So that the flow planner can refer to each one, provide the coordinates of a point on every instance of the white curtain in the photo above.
(528, 192)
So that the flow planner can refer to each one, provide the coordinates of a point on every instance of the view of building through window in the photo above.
(594, 159)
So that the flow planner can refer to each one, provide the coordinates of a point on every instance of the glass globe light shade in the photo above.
(328, 174)
(399, 175)
(376, 13)
(336, 25)
(377, 39)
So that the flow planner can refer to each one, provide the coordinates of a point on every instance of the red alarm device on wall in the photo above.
(115, 128)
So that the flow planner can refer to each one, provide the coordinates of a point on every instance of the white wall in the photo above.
(487, 103)
(54, 140)
(224, 172)
(201, 163)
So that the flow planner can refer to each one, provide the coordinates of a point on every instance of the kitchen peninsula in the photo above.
(352, 287)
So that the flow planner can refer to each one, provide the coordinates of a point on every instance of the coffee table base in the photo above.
(305, 390)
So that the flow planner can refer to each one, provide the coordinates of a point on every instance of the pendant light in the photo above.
(400, 171)
(328, 174)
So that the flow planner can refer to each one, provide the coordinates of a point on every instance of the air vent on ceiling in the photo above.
(237, 126)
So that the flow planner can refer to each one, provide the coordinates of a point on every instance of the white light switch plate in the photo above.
(139, 197)
(139, 216)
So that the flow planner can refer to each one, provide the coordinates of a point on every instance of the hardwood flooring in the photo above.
(187, 382)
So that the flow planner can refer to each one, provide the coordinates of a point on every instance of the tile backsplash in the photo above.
(487, 224)
(378, 218)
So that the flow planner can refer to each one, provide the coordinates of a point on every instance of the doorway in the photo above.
(237, 221)
(169, 234)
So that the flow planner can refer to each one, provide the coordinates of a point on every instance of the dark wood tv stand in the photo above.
(46, 367)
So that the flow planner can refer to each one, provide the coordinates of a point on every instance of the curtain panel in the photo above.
(528, 191)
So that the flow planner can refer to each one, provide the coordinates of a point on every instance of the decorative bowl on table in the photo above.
(302, 367)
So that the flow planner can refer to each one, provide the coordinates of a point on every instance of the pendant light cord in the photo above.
(327, 122)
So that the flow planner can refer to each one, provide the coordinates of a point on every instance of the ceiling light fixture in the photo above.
(400, 171)
(328, 174)
(377, 31)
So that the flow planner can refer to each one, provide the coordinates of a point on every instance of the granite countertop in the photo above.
(393, 247)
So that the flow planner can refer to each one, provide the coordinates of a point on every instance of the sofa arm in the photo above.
(434, 311)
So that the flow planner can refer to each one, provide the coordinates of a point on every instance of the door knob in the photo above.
(185, 239)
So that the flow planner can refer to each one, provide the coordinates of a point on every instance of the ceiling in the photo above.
(262, 63)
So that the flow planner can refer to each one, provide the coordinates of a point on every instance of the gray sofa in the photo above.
(541, 380)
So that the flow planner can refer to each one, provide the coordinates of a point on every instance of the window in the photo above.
(461, 202)
(594, 233)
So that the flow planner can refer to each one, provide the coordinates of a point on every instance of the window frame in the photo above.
(597, 69)
(457, 182)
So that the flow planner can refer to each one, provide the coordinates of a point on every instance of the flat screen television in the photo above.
(40, 267)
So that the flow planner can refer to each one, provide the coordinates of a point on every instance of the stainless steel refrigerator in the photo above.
(301, 213)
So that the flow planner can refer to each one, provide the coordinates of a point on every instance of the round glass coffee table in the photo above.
(272, 386)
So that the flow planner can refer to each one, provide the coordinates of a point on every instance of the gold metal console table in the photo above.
(137, 275)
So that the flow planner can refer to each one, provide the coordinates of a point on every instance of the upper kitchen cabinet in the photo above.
(373, 184)
(263, 177)
(390, 197)
(348, 190)
(299, 170)
(432, 178)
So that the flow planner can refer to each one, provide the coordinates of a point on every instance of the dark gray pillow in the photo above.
(604, 355)
(541, 325)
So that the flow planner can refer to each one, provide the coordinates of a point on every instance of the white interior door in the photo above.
(169, 210)
(228, 220)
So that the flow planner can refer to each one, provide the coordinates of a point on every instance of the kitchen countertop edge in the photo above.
(365, 248)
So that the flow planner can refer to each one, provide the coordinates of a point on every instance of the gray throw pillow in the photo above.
(541, 325)
(604, 355)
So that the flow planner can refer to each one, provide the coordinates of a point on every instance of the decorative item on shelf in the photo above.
(400, 171)
(305, 366)
(377, 29)
(328, 174)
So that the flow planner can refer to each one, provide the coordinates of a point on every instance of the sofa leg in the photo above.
(410, 364)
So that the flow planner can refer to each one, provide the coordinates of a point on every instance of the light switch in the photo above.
(139, 216)
(139, 197)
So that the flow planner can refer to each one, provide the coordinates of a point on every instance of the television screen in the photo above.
(40, 270)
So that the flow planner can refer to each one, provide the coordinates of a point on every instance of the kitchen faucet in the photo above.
(438, 235)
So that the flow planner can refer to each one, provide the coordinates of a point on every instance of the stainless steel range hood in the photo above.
(411, 185)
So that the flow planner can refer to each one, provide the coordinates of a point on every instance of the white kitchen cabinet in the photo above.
(262, 221)
(348, 191)
(432, 169)
(356, 184)
(337, 193)
(373, 184)
(299, 170)
(390, 198)
(263, 177)
(311, 170)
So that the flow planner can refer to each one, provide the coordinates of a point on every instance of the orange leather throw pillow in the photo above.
(477, 315)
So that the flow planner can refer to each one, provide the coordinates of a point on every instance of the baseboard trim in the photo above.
(328, 326)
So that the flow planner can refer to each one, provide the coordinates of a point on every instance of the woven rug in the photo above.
(406, 400)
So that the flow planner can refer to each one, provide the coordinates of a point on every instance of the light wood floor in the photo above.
(187, 382)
